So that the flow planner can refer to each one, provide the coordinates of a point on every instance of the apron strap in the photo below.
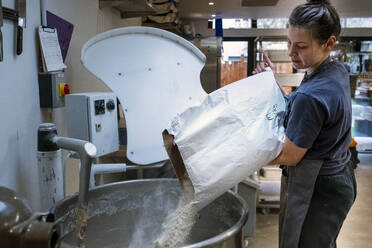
(295, 197)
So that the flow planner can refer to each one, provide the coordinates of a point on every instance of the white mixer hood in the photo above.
(155, 74)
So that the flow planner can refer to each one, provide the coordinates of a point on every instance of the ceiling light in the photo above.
(213, 16)
(211, 3)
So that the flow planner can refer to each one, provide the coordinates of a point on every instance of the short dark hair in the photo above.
(319, 16)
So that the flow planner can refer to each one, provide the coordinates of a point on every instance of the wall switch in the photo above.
(52, 89)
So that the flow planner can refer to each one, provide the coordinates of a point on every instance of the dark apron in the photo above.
(295, 196)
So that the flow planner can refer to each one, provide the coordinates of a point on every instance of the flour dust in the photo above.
(179, 223)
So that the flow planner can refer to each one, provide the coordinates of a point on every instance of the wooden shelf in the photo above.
(358, 53)
(278, 56)
(287, 79)
(128, 8)
(365, 77)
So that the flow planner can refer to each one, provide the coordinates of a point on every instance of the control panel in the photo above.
(99, 107)
(52, 89)
(92, 116)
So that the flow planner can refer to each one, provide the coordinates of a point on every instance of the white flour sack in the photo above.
(234, 132)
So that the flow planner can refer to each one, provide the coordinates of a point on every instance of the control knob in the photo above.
(110, 105)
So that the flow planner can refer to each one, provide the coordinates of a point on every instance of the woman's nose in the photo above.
(291, 51)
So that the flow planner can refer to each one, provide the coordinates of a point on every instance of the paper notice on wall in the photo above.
(50, 50)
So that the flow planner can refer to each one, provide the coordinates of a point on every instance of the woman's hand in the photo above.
(261, 65)
(261, 68)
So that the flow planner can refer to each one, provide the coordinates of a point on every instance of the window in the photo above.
(274, 45)
(343, 22)
(234, 61)
(267, 23)
(366, 46)
(357, 22)
(236, 23)
(272, 23)
(233, 50)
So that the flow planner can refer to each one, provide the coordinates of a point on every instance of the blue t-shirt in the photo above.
(318, 116)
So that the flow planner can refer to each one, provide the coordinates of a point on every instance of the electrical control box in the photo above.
(93, 117)
(52, 89)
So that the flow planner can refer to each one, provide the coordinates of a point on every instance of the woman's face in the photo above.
(305, 52)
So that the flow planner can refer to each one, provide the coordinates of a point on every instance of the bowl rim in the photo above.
(230, 232)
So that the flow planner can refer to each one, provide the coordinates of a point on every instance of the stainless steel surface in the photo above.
(150, 166)
(47, 126)
(122, 213)
(210, 76)
(19, 227)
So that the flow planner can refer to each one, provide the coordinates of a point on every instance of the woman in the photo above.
(318, 185)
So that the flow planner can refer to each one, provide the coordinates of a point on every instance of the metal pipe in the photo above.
(49, 164)
(43, 12)
(105, 168)
(49, 140)
(108, 168)
(119, 167)
(87, 151)
(151, 166)
(64, 167)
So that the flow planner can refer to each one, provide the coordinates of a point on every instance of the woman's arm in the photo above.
(291, 154)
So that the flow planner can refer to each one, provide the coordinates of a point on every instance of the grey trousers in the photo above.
(332, 199)
(313, 207)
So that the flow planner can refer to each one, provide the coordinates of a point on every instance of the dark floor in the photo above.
(357, 229)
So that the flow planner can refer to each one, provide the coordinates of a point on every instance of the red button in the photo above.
(66, 89)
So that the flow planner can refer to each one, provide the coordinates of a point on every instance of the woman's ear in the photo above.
(330, 44)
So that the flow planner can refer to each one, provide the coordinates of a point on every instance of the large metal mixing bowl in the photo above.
(130, 214)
